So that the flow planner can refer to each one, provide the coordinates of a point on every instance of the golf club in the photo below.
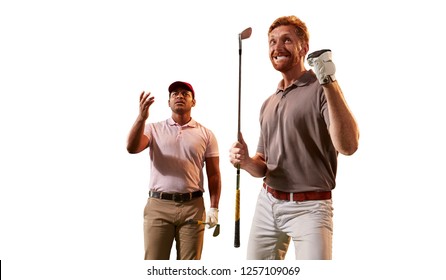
(216, 230)
(245, 34)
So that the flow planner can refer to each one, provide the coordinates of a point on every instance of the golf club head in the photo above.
(216, 230)
(246, 33)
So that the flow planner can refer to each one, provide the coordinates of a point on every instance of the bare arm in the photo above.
(343, 128)
(214, 180)
(239, 155)
(137, 141)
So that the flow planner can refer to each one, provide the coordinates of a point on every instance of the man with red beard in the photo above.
(179, 148)
(304, 125)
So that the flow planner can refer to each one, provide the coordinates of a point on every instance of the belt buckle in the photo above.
(153, 194)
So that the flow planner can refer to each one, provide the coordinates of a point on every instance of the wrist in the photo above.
(330, 84)
(141, 119)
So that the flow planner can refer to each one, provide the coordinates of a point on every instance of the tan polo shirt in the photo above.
(294, 138)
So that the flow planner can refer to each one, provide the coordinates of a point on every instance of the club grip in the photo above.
(237, 219)
(237, 234)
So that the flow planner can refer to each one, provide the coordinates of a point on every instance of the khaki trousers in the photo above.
(164, 222)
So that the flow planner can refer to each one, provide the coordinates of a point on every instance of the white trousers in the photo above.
(309, 224)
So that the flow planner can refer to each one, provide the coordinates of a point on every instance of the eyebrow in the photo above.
(181, 92)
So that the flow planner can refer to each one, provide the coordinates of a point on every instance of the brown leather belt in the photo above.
(177, 197)
(299, 196)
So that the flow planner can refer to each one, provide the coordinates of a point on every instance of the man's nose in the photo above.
(278, 46)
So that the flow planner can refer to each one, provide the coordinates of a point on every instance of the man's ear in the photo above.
(193, 102)
(304, 50)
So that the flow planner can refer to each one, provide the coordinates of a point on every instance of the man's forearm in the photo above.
(343, 127)
(135, 141)
(214, 190)
(256, 166)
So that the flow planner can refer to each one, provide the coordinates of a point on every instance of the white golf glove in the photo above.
(212, 217)
(322, 65)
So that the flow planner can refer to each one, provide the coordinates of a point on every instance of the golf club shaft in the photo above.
(244, 35)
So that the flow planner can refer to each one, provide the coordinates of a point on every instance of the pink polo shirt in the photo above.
(177, 155)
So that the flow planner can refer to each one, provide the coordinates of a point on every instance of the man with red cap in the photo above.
(179, 148)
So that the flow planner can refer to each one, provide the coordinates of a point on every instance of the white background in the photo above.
(71, 73)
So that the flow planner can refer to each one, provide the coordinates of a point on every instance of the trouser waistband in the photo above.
(177, 197)
(298, 196)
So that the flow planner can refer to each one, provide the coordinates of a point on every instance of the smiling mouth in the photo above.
(279, 58)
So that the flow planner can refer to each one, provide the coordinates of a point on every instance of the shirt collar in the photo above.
(307, 78)
(191, 123)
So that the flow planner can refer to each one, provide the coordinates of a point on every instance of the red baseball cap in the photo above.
(180, 84)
